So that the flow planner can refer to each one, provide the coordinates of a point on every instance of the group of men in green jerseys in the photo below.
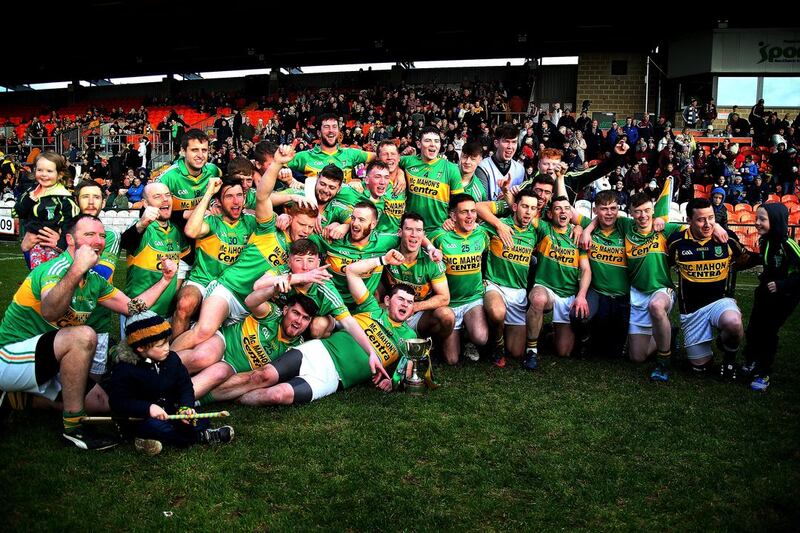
(357, 266)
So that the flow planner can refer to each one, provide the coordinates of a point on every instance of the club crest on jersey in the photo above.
(718, 251)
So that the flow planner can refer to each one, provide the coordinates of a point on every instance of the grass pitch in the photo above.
(587, 444)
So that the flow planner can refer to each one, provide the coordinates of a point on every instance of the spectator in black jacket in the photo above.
(740, 126)
(757, 192)
(781, 163)
(777, 294)
(594, 141)
(223, 133)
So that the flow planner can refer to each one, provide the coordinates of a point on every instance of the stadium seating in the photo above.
(119, 220)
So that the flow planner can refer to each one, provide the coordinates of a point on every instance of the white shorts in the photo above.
(236, 311)
(698, 327)
(413, 320)
(461, 310)
(18, 370)
(561, 306)
(100, 355)
(516, 301)
(641, 323)
(317, 369)
(202, 288)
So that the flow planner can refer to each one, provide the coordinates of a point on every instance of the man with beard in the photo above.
(562, 281)
(225, 296)
(220, 240)
(261, 338)
(46, 348)
(432, 313)
(91, 201)
(333, 217)
(361, 241)
(501, 166)
(328, 151)
(148, 242)
(463, 249)
(319, 368)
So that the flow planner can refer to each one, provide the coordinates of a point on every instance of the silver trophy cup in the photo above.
(417, 350)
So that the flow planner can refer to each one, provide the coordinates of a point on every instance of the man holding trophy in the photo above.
(318, 368)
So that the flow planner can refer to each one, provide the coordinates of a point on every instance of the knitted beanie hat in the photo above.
(146, 328)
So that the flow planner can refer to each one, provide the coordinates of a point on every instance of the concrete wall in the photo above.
(623, 95)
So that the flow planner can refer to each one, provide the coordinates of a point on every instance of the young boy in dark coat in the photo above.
(150, 382)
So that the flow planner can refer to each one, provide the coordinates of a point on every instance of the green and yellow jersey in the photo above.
(430, 186)
(508, 267)
(385, 335)
(647, 256)
(23, 318)
(422, 274)
(187, 190)
(463, 257)
(221, 247)
(256, 342)
(558, 259)
(266, 248)
(311, 162)
(342, 252)
(144, 264)
(608, 261)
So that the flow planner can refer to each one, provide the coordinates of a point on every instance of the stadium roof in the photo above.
(156, 38)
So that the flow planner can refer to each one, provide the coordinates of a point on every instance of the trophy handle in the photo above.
(430, 346)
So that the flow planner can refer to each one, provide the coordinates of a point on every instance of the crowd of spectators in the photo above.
(739, 172)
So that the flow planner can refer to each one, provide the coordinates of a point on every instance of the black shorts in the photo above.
(47, 366)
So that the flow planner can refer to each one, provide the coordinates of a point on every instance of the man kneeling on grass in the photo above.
(319, 368)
